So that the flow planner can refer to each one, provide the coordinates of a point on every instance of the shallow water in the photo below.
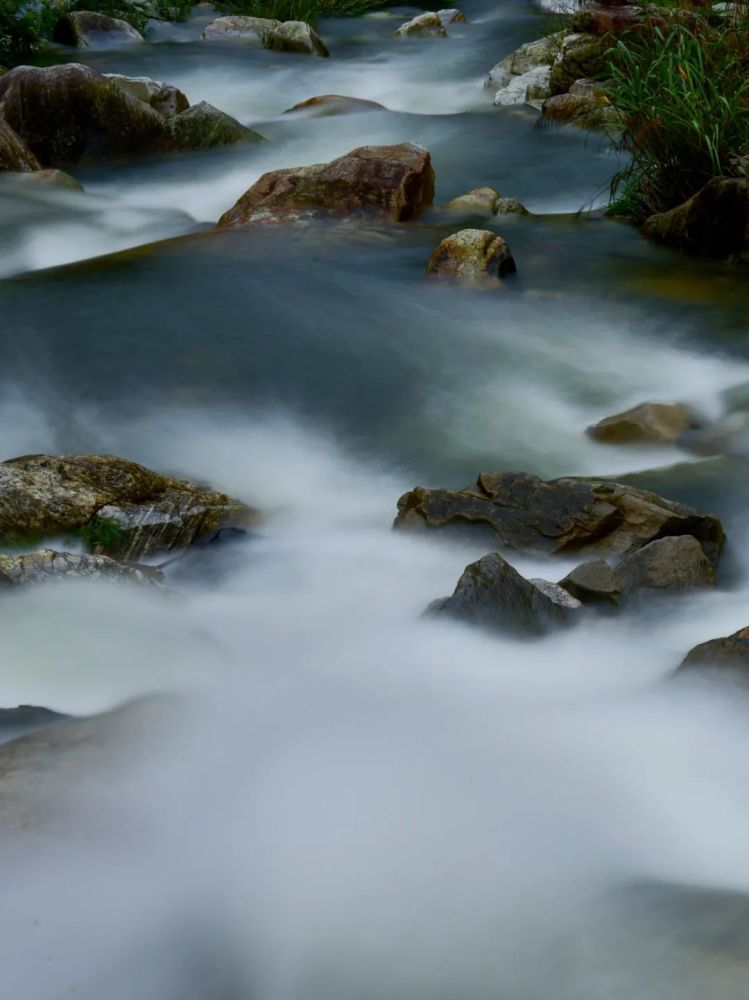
(361, 801)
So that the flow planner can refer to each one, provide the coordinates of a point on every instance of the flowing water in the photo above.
(360, 802)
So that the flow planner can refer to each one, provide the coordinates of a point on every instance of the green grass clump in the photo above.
(103, 532)
(683, 92)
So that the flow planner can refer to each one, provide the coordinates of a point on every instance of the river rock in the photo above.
(294, 36)
(233, 27)
(120, 508)
(586, 105)
(646, 423)
(71, 113)
(729, 655)
(328, 105)
(50, 178)
(592, 582)
(451, 15)
(607, 20)
(511, 206)
(560, 516)
(677, 562)
(529, 56)
(473, 255)
(82, 28)
(531, 88)
(492, 594)
(581, 57)
(390, 182)
(24, 718)
(48, 564)
(479, 201)
(202, 127)
(429, 23)
(162, 97)
(14, 154)
(714, 222)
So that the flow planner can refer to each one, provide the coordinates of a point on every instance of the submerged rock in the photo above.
(202, 127)
(473, 255)
(560, 516)
(125, 510)
(451, 15)
(71, 113)
(82, 28)
(714, 222)
(48, 564)
(50, 178)
(14, 154)
(729, 655)
(428, 23)
(327, 105)
(391, 182)
(646, 423)
(491, 593)
(233, 27)
(162, 97)
(294, 36)
(479, 201)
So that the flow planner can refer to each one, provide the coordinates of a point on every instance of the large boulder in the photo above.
(392, 182)
(582, 57)
(234, 27)
(162, 97)
(116, 507)
(646, 423)
(82, 28)
(429, 23)
(714, 222)
(472, 255)
(560, 516)
(202, 127)
(14, 154)
(493, 594)
(48, 564)
(71, 113)
(329, 105)
(294, 36)
(727, 655)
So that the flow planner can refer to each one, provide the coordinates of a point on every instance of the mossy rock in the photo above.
(582, 58)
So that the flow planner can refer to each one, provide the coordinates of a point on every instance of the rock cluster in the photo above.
(279, 36)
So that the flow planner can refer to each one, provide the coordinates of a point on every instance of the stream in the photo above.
(357, 801)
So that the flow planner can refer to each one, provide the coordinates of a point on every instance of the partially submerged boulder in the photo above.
(531, 88)
(328, 105)
(202, 127)
(714, 222)
(48, 564)
(674, 563)
(390, 182)
(727, 655)
(451, 15)
(162, 97)
(523, 76)
(646, 423)
(71, 113)
(560, 516)
(233, 27)
(49, 178)
(118, 507)
(491, 593)
(479, 201)
(82, 28)
(429, 23)
(294, 36)
(472, 255)
(14, 154)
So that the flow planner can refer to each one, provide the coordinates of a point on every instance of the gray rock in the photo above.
(47, 564)
(592, 582)
(235, 27)
(295, 36)
(451, 15)
(472, 255)
(592, 516)
(83, 28)
(202, 127)
(674, 563)
(728, 656)
(529, 88)
(492, 594)
(162, 97)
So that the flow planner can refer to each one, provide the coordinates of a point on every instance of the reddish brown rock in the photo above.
(334, 104)
(648, 423)
(392, 182)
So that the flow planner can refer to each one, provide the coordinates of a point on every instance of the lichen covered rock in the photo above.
(294, 36)
(47, 564)
(427, 24)
(391, 182)
(472, 255)
(202, 127)
(234, 27)
(124, 509)
(162, 97)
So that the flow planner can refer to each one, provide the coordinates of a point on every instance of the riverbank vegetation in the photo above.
(680, 82)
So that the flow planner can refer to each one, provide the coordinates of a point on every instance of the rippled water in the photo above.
(359, 801)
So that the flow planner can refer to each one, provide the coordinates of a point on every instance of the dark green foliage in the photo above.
(102, 532)
(683, 92)
(297, 10)
(24, 28)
